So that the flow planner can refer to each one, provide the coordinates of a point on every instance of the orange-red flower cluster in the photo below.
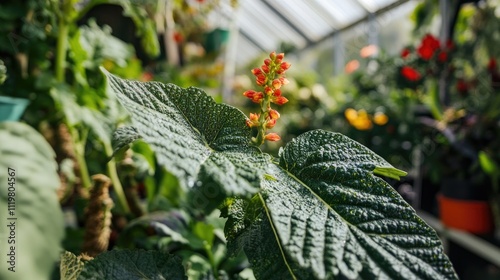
(269, 76)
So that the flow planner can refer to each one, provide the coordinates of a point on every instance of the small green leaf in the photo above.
(28, 162)
(123, 137)
(390, 172)
(488, 165)
(132, 265)
(204, 144)
(269, 177)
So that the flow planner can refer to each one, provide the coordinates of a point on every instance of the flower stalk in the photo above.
(270, 77)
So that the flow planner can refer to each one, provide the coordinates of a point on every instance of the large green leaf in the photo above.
(133, 264)
(326, 215)
(39, 225)
(205, 144)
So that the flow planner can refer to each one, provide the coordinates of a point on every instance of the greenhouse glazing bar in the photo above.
(355, 23)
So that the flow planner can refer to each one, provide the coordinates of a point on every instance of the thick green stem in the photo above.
(113, 175)
(62, 47)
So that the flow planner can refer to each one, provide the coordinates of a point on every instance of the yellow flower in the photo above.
(380, 118)
(359, 119)
(350, 114)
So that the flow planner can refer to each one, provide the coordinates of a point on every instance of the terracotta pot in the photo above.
(473, 216)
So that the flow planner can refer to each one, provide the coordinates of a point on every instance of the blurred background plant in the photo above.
(52, 53)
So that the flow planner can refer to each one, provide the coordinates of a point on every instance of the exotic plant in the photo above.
(318, 211)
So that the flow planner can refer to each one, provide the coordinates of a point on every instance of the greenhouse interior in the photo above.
(249, 139)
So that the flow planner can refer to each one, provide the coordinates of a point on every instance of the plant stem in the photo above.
(113, 175)
(264, 109)
(211, 259)
(80, 157)
(62, 47)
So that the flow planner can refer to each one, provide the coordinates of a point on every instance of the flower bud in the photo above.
(272, 137)
(254, 117)
(284, 66)
(277, 92)
(276, 84)
(267, 61)
(280, 100)
(279, 57)
(249, 93)
(256, 71)
(272, 55)
(265, 68)
(273, 114)
(268, 90)
(261, 80)
(257, 97)
(284, 81)
(270, 123)
(253, 121)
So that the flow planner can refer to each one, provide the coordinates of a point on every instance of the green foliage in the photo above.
(207, 147)
(39, 225)
(3, 72)
(320, 213)
(133, 264)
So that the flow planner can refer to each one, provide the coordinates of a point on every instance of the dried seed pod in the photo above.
(98, 217)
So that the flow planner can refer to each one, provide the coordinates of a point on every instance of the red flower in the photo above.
(428, 46)
(410, 74)
(442, 56)
(492, 65)
(283, 67)
(425, 52)
(249, 93)
(265, 68)
(256, 71)
(279, 57)
(178, 38)
(405, 53)
(462, 86)
(431, 42)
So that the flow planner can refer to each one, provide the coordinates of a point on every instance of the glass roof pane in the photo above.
(259, 22)
(303, 16)
(345, 12)
(246, 50)
(374, 5)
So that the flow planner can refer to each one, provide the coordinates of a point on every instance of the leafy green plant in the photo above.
(318, 211)
(29, 193)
